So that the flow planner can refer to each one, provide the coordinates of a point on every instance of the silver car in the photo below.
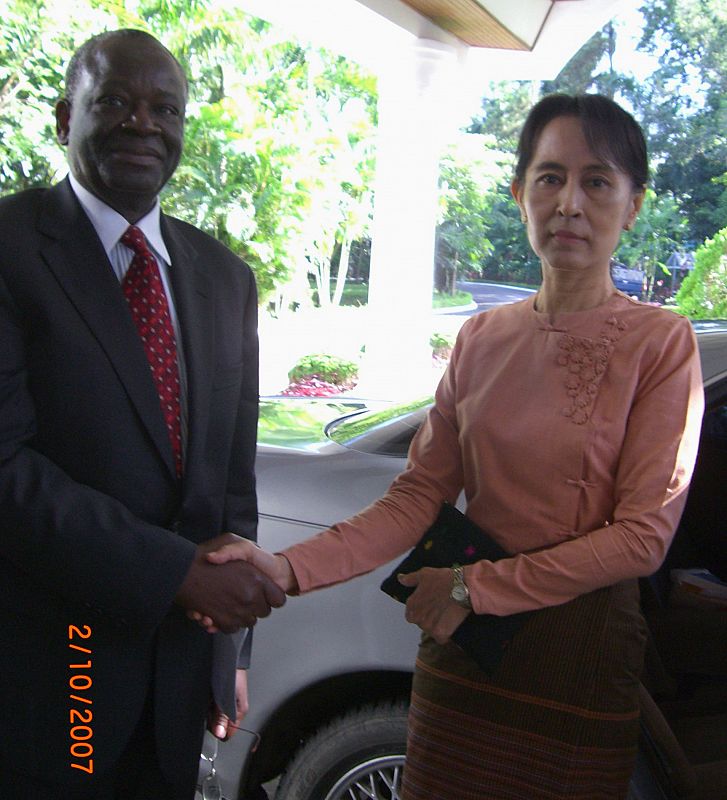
(332, 670)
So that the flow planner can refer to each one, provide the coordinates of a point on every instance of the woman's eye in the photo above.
(549, 179)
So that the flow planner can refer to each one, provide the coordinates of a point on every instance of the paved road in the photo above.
(487, 295)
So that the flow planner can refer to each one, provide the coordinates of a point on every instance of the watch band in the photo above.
(459, 592)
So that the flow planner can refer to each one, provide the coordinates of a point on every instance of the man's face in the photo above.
(124, 127)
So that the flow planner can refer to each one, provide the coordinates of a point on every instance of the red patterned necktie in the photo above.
(144, 292)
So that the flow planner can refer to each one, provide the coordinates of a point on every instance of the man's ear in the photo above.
(63, 121)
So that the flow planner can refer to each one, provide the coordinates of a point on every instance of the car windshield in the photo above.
(386, 433)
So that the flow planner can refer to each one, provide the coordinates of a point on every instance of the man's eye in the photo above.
(599, 182)
(171, 111)
(548, 179)
(111, 100)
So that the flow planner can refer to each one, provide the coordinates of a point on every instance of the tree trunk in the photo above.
(342, 268)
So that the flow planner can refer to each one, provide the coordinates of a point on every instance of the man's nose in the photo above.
(570, 199)
(141, 120)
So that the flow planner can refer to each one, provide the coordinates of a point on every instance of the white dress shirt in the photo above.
(110, 227)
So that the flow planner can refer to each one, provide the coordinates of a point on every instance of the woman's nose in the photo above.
(570, 200)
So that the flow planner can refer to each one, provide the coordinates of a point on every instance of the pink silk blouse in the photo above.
(573, 436)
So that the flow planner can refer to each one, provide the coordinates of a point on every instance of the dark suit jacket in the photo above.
(94, 528)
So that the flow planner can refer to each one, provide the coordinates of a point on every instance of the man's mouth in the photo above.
(142, 157)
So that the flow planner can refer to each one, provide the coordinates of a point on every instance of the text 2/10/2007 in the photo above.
(80, 683)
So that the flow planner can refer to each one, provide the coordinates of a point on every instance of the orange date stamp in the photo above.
(80, 681)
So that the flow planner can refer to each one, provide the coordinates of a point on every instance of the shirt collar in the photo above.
(111, 226)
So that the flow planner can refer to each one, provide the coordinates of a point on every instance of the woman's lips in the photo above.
(567, 237)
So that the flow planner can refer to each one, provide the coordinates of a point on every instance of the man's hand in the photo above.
(430, 606)
(233, 595)
(218, 723)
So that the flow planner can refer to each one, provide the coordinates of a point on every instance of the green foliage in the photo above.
(441, 344)
(660, 230)
(467, 181)
(278, 155)
(512, 260)
(703, 294)
(334, 370)
(446, 300)
(683, 107)
(279, 152)
(265, 120)
(505, 105)
(683, 111)
(36, 38)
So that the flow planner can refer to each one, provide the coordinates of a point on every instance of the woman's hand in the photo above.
(276, 567)
(430, 606)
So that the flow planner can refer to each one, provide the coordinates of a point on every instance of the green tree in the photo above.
(703, 294)
(242, 177)
(466, 196)
(278, 155)
(659, 231)
(37, 40)
(512, 259)
(336, 144)
(683, 106)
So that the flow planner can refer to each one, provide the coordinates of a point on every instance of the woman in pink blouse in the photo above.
(571, 421)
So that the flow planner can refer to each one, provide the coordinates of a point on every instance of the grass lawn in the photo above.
(357, 294)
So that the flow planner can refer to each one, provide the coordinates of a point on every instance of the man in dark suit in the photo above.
(116, 476)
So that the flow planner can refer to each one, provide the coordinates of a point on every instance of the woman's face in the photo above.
(576, 205)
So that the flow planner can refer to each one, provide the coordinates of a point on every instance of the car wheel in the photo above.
(358, 756)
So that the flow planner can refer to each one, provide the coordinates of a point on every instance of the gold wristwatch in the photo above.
(460, 593)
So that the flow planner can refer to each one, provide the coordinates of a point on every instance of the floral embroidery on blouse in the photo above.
(586, 361)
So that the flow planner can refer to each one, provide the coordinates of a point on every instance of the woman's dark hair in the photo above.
(611, 133)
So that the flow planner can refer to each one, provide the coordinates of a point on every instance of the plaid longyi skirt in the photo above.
(559, 720)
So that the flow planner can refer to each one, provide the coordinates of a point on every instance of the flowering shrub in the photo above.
(321, 376)
(311, 387)
(328, 368)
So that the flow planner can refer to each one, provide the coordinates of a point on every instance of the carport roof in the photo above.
(495, 39)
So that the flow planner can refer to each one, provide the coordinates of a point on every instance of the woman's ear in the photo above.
(516, 192)
(636, 202)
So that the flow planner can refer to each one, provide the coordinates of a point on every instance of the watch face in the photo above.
(459, 593)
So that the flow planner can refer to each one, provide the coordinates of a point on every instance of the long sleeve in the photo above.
(573, 439)
(396, 522)
(70, 538)
(650, 489)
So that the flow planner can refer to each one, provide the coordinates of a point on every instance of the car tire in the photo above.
(358, 755)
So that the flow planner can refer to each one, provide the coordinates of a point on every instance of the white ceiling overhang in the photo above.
(493, 39)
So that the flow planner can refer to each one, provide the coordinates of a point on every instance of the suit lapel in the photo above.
(76, 257)
(193, 289)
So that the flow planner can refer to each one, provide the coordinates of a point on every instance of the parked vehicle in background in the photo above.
(332, 670)
(629, 281)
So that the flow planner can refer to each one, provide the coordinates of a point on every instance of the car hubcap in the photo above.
(376, 779)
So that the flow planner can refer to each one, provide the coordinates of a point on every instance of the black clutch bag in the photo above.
(454, 540)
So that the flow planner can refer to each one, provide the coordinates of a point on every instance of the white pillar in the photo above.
(413, 119)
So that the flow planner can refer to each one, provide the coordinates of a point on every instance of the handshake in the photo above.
(232, 583)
